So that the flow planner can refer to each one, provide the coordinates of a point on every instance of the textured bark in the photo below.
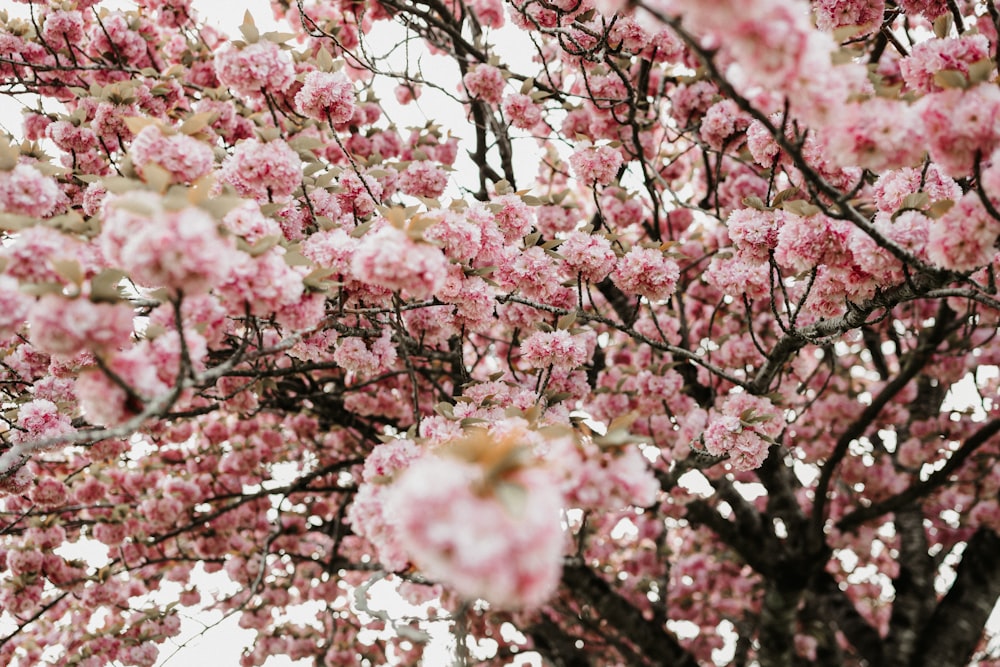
(650, 637)
(777, 626)
(915, 596)
(951, 633)
(556, 646)
(833, 607)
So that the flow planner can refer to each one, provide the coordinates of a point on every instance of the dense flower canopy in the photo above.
(665, 336)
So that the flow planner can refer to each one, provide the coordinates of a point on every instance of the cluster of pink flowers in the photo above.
(559, 349)
(960, 124)
(596, 165)
(512, 216)
(258, 67)
(63, 27)
(266, 172)
(928, 58)
(489, 12)
(929, 8)
(105, 402)
(832, 14)
(388, 258)
(894, 186)
(722, 122)
(26, 191)
(159, 247)
(963, 238)
(34, 255)
(647, 272)
(353, 355)
(62, 326)
(460, 237)
(876, 134)
(268, 284)
(114, 37)
(603, 479)
(486, 83)
(186, 158)
(522, 111)
(502, 544)
(326, 96)
(40, 418)
(590, 255)
(423, 179)
(367, 512)
(744, 430)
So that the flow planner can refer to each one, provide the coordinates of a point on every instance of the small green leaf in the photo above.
(917, 201)
(801, 207)
(197, 122)
(950, 78)
(566, 321)
(249, 29)
(446, 410)
(943, 25)
(69, 269)
(981, 71)
(104, 286)
(939, 208)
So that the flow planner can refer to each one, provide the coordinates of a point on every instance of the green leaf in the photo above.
(156, 176)
(41, 289)
(69, 269)
(9, 155)
(916, 201)
(197, 122)
(950, 78)
(316, 280)
(446, 410)
(249, 29)
(362, 229)
(943, 25)
(981, 71)
(324, 60)
(104, 286)
(939, 208)
(801, 207)
(12, 222)
(513, 497)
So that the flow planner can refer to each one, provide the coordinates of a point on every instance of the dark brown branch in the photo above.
(950, 635)
(649, 636)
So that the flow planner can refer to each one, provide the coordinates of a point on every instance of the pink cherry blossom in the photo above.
(485, 82)
(588, 254)
(522, 111)
(963, 238)
(508, 553)
(326, 96)
(423, 179)
(388, 258)
(258, 67)
(185, 158)
(646, 272)
(66, 326)
(158, 247)
(557, 348)
(596, 165)
(265, 172)
(26, 191)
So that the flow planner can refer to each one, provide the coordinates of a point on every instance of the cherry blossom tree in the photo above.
(675, 345)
